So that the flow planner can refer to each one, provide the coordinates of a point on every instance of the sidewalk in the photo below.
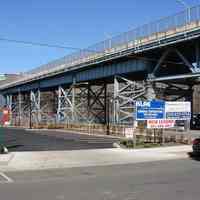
(21, 161)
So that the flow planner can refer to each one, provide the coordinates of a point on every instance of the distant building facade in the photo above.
(6, 78)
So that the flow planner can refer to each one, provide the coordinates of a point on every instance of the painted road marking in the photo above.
(6, 178)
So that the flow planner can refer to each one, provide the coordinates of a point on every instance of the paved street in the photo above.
(174, 180)
(26, 140)
(93, 172)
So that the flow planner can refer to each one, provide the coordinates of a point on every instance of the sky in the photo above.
(77, 23)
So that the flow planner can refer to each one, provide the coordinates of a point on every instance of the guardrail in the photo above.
(184, 21)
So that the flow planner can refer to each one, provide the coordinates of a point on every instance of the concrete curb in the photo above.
(75, 132)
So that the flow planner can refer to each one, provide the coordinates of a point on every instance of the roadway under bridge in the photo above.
(101, 83)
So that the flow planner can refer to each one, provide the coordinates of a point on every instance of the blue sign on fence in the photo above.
(150, 110)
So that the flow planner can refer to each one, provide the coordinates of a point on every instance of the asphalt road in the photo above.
(166, 180)
(22, 140)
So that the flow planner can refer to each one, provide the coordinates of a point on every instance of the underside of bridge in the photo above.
(111, 97)
(162, 64)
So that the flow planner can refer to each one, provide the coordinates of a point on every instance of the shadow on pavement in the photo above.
(21, 140)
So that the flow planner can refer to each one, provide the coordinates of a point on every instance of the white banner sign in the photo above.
(177, 110)
(129, 132)
(160, 124)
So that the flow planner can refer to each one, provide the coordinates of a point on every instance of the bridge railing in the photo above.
(184, 21)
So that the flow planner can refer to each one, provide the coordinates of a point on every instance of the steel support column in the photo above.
(126, 92)
(65, 111)
(14, 107)
(9, 102)
(35, 106)
(197, 51)
(19, 108)
(82, 103)
(97, 95)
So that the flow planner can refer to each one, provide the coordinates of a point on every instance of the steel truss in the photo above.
(13, 102)
(174, 92)
(192, 68)
(28, 107)
(72, 103)
(9, 102)
(18, 108)
(97, 103)
(126, 92)
(82, 103)
(90, 103)
(65, 111)
(40, 111)
(35, 106)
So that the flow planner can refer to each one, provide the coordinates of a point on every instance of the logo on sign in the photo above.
(143, 104)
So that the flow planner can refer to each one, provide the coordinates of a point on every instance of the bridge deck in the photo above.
(140, 39)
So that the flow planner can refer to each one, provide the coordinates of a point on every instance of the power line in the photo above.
(38, 44)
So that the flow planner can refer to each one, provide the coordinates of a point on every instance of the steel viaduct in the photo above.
(100, 84)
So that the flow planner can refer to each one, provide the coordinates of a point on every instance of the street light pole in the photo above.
(187, 7)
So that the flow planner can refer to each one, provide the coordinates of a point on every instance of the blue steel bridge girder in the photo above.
(102, 71)
(133, 64)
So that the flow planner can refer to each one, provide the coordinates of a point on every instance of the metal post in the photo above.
(30, 113)
(73, 100)
(192, 105)
(107, 110)
(88, 101)
(59, 104)
(116, 101)
(9, 104)
(39, 106)
(19, 107)
(197, 50)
